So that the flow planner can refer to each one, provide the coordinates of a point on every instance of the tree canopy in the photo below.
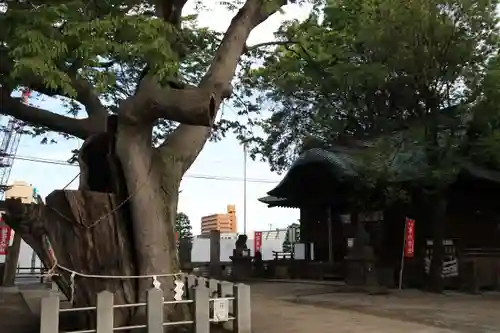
(293, 230)
(94, 56)
(362, 69)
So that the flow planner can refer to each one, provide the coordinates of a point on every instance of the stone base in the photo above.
(361, 273)
(241, 268)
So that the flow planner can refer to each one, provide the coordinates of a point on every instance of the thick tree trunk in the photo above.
(118, 231)
(153, 183)
(87, 234)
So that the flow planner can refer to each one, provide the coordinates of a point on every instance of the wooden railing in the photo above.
(213, 302)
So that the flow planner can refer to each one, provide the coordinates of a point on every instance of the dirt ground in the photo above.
(407, 311)
(277, 316)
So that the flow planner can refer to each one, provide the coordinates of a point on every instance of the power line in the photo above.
(188, 175)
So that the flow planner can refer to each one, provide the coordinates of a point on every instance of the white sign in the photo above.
(450, 266)
(221, 310)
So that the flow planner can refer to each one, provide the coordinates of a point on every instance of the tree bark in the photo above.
(88, 234)
(11, 261)
(152, 181)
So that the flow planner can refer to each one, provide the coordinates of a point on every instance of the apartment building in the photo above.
(225, 223)
(22, 190)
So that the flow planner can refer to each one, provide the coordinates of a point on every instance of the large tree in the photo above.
(151, 84)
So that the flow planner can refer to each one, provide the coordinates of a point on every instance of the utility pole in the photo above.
(245, 188)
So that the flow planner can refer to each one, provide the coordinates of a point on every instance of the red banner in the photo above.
(257, 241)
(409, 238)
(5, 233)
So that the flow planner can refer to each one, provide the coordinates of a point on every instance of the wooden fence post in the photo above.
(225, 289)
(49, 317)
(201, 281)
(190, 284)
(155, 310)
(242, 309)
(213, 285)
(201, 309)
(104, 312)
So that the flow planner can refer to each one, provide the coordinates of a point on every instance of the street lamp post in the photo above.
(245, 188)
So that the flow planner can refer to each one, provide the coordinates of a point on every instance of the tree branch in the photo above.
(191, 106)
(190, 140)
(80, 128)
(170, 10)
(248, 49)
(228, 54)
(85, 93)
(188, 105)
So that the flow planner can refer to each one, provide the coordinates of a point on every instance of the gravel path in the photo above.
(270, 315)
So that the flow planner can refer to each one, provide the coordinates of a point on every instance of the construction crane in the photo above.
(10, 137)
(9, 142)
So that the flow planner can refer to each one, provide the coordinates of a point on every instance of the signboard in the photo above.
(5, 234)
(409, 251)
(450, 262)
(221, 309)
(257, 241)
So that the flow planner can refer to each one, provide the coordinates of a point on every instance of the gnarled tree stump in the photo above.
(88, 234)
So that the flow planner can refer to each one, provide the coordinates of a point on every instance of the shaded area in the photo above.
(458, 312)
(15, 316)
(83, 231)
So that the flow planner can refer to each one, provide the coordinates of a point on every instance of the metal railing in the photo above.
(31, 273)
(213, 301)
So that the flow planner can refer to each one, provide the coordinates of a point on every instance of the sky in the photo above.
(200, 195)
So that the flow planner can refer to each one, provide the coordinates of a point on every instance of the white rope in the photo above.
(73, 274)
(121, 277)
(156, 282)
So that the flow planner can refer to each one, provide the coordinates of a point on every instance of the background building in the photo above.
(225, 223)
(27, 193)
(22, 190)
